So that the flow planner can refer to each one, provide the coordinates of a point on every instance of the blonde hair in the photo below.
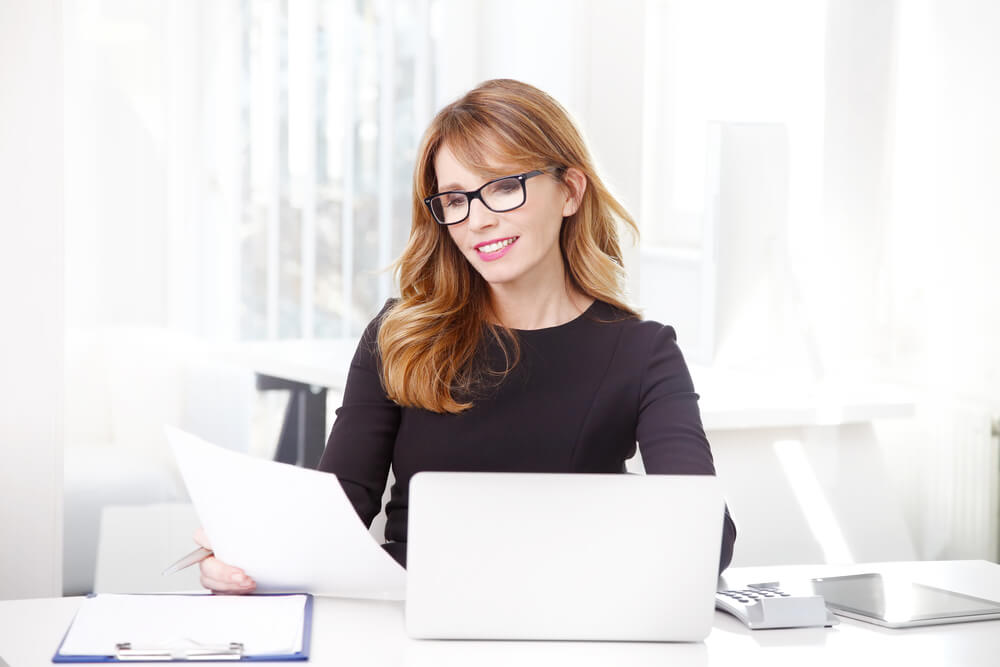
(429, 339)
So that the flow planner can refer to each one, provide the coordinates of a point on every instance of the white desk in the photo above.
(359, 633)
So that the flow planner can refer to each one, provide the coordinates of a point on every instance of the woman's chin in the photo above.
(497, 279)
(495, 273)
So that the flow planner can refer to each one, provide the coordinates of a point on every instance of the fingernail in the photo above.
(238, 578)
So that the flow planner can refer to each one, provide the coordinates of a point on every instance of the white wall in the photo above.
(847, 276)
(118, 125)
(942, 242)
(31, 294)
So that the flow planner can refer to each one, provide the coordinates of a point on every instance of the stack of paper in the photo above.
(289, 528)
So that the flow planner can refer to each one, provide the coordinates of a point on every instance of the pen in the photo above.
(196, 556)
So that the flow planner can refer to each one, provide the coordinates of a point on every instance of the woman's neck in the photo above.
(538, 308)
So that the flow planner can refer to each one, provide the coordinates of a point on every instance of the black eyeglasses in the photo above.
(499, 195)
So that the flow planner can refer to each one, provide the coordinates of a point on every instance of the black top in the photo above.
(579, 398)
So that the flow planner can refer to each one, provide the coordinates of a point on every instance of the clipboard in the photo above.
(256, 615)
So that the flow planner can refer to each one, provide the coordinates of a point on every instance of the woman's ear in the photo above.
(576, 186)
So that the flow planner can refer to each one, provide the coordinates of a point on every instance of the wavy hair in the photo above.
(429, 340)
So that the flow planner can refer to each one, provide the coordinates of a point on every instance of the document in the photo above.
(288, 528)
(263, 625)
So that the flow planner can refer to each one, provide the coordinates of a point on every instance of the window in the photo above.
(334, 95)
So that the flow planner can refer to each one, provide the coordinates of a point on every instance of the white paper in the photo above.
(289, 528)
(265, 625)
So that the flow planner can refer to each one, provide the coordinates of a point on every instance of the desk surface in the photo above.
(361, 632)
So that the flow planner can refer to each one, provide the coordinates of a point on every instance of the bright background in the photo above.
(240, 170)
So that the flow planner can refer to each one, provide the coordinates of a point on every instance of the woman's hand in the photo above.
(221, 577)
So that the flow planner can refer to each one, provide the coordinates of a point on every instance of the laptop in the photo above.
(562, 556)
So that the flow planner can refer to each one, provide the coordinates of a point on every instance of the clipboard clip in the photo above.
(125, 652)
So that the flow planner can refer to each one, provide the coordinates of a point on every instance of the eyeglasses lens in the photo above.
(450, 208)
(504, 194)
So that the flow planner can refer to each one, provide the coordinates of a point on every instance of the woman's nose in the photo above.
(480, 217)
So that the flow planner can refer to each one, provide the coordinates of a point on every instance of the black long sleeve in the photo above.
(580, 398)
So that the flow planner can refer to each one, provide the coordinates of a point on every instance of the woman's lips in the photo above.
(495, 249)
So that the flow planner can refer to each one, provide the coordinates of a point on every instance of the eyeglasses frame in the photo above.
(477, 194)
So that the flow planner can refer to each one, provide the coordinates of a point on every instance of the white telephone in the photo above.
(765, 606)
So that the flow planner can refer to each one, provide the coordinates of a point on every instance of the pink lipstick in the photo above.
(495, 249)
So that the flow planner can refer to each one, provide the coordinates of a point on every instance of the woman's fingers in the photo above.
(221, 577)
(224, 578)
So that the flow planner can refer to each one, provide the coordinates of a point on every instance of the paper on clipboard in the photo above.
(289, 528)
(263, 624)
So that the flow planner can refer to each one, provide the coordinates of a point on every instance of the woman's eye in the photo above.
(452, 202)
(508, 186)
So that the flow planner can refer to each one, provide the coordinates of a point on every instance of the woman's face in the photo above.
(516, 248)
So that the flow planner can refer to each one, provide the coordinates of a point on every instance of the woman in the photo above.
(511, 347)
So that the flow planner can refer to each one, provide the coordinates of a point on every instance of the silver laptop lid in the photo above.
(562, 556)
